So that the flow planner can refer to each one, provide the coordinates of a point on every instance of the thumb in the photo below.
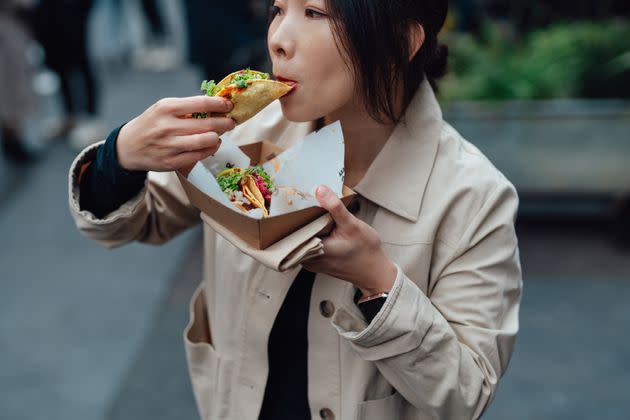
(330, 202)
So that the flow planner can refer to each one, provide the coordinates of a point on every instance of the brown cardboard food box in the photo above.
(258, 233)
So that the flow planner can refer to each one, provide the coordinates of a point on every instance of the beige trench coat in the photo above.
(443, 338)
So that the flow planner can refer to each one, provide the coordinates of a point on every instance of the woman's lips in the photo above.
(289, 82)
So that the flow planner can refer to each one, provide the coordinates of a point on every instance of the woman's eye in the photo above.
(274, 11)
(313, 14)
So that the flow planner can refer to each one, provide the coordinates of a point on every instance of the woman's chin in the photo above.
(297, 114)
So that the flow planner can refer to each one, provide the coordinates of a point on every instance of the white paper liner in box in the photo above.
(316, 160)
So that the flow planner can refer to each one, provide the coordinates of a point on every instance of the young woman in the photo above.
(412, 311)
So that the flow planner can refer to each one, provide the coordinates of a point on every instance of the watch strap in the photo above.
(364, 299)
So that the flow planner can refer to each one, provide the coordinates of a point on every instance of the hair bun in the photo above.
(438, 64)
(441, 14)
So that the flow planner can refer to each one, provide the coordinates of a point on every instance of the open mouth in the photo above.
(286, 81)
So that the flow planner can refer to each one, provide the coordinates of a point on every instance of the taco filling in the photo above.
(250, 91)
(248, 189)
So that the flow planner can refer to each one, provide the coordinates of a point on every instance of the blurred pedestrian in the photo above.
(151, 11)
(62, 31)
(237, 34)
(156, 52)
(16, 95)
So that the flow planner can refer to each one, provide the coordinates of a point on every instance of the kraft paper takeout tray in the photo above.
(258, 233)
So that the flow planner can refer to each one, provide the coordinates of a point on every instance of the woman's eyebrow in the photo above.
(319, 3)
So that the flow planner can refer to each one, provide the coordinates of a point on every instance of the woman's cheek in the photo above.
(302, 107)
(291, 113)
(311, 104)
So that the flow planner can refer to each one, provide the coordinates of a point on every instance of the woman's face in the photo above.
(303, 50)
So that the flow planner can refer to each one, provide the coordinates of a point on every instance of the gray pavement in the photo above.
(571, 359)
(72, 314)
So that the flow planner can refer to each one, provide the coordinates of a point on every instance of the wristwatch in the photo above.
(371, 305)
(364, 299)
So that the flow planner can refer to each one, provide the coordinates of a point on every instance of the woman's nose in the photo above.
(282, 40)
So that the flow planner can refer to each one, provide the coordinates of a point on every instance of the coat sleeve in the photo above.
(444, 353)
(156, 214)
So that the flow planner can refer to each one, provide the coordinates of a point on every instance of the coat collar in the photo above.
(398, 177)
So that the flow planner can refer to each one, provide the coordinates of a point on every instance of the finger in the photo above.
(333, 246)
(194, 142)
(314, 265)
(311, 262)
(192, 104)
(219, 125)
(327, 230)
(321, 264)
(308, 266)
(330, 202)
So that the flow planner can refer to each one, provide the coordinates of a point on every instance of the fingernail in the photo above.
(323, 191)
(228, 105)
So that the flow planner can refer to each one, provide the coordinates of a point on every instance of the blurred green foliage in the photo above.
(569, 60)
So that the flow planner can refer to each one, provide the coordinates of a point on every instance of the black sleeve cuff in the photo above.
(107, 164)
(105, 185)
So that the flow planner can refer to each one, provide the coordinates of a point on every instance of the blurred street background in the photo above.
(86, 333)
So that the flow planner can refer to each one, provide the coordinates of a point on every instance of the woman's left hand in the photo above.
(353, 251)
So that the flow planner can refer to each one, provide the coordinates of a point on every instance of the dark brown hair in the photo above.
(374, 34)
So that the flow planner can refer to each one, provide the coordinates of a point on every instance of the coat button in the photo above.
(326, 308)
(326, 413)
(354, 207)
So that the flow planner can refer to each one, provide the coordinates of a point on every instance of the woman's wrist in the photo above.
(381, 278)
(122, 155)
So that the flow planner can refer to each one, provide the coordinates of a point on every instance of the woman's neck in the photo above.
(364, 138)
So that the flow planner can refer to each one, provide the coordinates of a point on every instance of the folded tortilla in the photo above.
(250, 191)
(253, 194)
(249, 101)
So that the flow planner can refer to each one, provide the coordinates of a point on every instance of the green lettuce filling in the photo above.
(210, 88)
(240, 79)
(231, 181)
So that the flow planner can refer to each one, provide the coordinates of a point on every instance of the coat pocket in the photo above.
(202, 358)
(385, 408)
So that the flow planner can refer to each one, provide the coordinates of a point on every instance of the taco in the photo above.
(250, 91)
(248, 189)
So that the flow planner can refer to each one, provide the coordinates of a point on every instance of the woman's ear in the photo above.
(416, 39)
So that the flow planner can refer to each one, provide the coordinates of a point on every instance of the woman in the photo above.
(62, 29)
(412, 310)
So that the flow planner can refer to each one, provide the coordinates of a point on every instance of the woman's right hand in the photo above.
(166, 138)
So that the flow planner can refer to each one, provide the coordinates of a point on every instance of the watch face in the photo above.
(378, 302)
(371, 308)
